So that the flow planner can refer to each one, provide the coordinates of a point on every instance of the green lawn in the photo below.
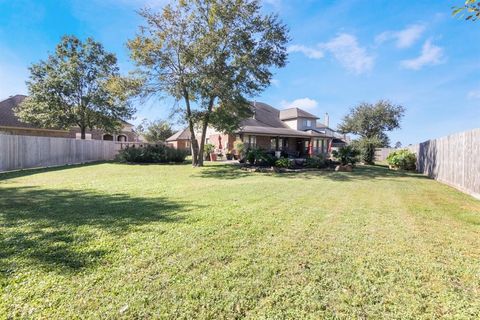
(132, 241)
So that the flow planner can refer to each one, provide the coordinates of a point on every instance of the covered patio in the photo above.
(290, 143)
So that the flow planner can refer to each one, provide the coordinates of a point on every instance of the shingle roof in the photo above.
(267, 120)
(7, 114)
(286, 132)
(180, 135)
(293, 113)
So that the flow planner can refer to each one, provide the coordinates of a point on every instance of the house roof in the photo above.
(7, 114)
(180, 135)
(285, 132)
(293, 113)
(266, 121)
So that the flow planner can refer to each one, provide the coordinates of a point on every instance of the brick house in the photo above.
(294, 132)
(10, 124)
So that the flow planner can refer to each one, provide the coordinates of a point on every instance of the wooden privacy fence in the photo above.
(453, 160)
(22, 152)
(381, 154)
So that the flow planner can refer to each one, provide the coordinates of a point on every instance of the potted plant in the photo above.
(229, 154)
(210, 154)
(239, 148)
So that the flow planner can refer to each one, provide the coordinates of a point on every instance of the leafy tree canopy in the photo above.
(78, 85)
(470, 10)
(155, 131)
(371, 122)
(209, 53)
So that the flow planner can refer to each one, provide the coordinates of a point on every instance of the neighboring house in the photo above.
(180, 140)
(10, 124)
(293, 131)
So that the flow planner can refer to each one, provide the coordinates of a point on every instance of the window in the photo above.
(273, 143)
(122, 138)
(252, 141)
(307, 123)
(88, 136)
(281, 143)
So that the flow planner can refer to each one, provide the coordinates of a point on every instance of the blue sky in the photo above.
(342, 53)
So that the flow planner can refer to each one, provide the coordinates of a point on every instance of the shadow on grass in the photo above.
(222, 171)
(229, 172)
(29, 172)
(54, 229)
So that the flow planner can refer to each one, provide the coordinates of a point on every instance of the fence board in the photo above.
(22, 152)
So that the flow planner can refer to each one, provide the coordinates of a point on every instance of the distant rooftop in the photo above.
(293, 113)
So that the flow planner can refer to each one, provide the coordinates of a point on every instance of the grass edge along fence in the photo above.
(453, 160)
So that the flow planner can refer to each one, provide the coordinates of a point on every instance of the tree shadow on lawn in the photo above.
(47, 228)
(229, 172)
(28, 172)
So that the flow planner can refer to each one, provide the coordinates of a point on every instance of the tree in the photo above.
(371, 122)
(155, 131)
(212, 55)
(472, 7)
(78, 85)
(398, 145)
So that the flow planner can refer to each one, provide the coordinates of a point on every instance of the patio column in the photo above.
(276, 144)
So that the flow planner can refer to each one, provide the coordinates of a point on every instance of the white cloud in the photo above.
(404, 38)
(304, 103)
(474, 94)
(313, 53)
(344, 48)
(349, 53)
(275, 82)
(431, 55)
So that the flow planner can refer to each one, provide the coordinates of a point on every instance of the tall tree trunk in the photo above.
(193, 139)
(206, 120)
(82, 133)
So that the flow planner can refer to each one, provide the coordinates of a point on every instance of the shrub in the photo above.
(258, 156)
(239, 146)
(208, 148)
(316, 162)
(402, 159)
(366, 148)
(284, 163)
(151, 154)
(346, 155)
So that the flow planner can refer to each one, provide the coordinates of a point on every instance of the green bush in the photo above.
(346, 155)
(151, 154)
(208, 148)
(284, 163)
(316, 162)
(402, 159)
(258, 156)
(366, 148)
(239, 146)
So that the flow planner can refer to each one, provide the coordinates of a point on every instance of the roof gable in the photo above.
(180, 135)
(293, 113)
